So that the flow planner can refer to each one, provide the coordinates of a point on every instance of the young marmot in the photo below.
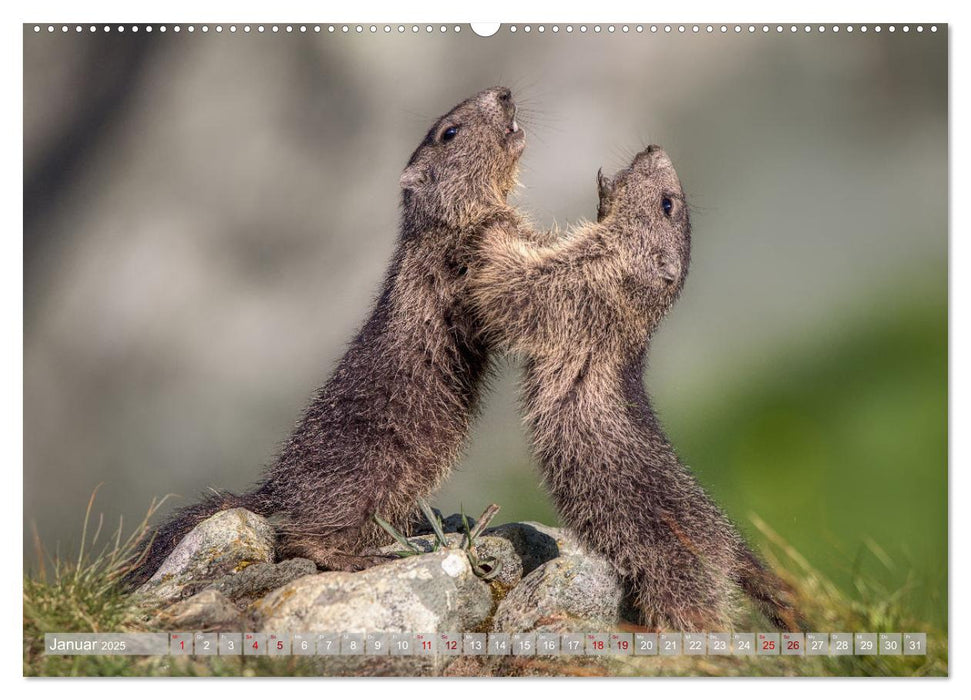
(390, 422)
(581, 311)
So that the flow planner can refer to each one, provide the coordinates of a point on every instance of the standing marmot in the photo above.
(581, 311)
(390, 422)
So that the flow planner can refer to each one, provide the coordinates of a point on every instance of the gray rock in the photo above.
(536, 543)
(431, 592)
(498, 548)
(509, 562)
(259, 579)
(209, 610)
(227, 542)
(570, 593)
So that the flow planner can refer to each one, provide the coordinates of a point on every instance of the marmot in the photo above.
(392, 419)
(581, 311)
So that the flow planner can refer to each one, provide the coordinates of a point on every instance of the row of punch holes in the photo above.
(541, 29)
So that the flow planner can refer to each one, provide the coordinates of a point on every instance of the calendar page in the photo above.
(485, 350)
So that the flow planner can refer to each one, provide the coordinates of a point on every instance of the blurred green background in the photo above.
(207, 219)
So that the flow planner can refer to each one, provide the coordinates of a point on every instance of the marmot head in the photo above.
(468, 160)
(645, 204)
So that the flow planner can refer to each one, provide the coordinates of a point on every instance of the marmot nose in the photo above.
(653, 148)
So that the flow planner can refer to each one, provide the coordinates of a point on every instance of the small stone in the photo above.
(209, 610)
(565, 594)
(225, 543)
(502, 550)
(536, 543)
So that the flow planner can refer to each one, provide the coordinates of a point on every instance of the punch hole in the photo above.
(485, 28)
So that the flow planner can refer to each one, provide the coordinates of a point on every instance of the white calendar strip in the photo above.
(490, 644)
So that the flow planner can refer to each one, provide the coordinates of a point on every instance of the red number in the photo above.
(792, 645)
(768, 645)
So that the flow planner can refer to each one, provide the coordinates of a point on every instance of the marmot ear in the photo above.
(605, 189)
(604, 186)
(413, 176)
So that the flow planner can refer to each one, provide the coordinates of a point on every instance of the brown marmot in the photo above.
(581, 311)
(392, 419)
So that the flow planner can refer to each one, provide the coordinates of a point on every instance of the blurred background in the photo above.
(207, 219)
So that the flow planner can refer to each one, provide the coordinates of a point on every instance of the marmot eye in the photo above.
(667, 206)
(449, 134)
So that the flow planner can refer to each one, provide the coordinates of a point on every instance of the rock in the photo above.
(536, 543)
(257, 580)
(428, 593)
(209, 610)
(222, 577)
(225, 543)
(500, 549)
(569, 593)
(453, 523)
